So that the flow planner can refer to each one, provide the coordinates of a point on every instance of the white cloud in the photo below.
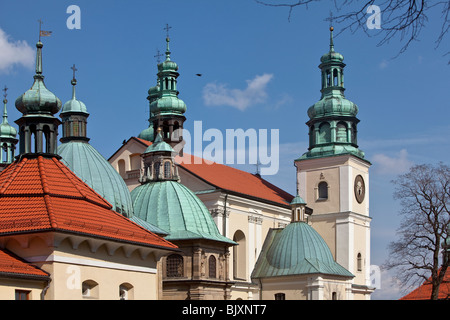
(220, 95)
(397, 164)
(14, 53)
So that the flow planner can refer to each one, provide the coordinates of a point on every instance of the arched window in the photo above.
(335, 77)
(167, 170)
(359, 261)
(324, 133)
(174, 266)
(212, 266)
(323, 190)
(341, 132)
(156, 168)
(121, 165)
(333, 295)
(89, 289)
(125, 291)
(239, 256)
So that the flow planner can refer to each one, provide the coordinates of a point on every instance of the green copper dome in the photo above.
(168, 105)
(174, 208)
(148, 134)
(38, 99)
(6, 130)
(296, 250)
(91, 167)
(159, 145)
(74, 105)
(297, 200)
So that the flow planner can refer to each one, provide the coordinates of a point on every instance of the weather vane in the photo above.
(167, 28)
(43, 33)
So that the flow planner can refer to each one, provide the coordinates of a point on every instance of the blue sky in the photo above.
(263, 67)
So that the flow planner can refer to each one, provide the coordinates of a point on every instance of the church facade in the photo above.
(165, 224)
(332, 178)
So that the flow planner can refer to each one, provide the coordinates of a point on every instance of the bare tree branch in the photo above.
(403, 18)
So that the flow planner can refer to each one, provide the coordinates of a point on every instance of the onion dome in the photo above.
(6, 130)
(38, 99)
(298, 201)
(168, 101)
(74, 105)
(148, 134)
(333, 106)
(296, 250)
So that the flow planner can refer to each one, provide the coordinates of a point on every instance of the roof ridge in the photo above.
(44, 184)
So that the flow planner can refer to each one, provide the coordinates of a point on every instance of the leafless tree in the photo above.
(403, 18)
(420, 253)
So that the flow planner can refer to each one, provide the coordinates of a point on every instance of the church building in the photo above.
(332, 178)
(154, 222)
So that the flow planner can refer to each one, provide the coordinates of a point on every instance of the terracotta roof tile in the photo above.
(232, 179)
(39, 194)
(424, 291)
(11, 264)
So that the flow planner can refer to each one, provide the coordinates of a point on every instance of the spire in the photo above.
(167, 49)
(331, 40)
(73, 82)
(8, 135)
(39, 46)
(5, 112)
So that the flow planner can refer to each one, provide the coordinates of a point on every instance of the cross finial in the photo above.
(74, 70)
(330, 19)
(258, 164)
(158, 55)
(167, 28)
(5, 92)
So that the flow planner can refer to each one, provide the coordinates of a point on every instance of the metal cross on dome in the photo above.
(4, 90)
(158, 55)
(167, 28)
(330, 19)
(74, 70)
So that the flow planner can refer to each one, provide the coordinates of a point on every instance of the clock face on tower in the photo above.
(360, 188)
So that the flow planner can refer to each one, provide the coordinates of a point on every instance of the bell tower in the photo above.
(333, 175)
(166, 109)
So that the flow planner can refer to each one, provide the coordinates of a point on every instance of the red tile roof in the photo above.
(39, 194)
(13, 265)
(424, 291)
(232, 179)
